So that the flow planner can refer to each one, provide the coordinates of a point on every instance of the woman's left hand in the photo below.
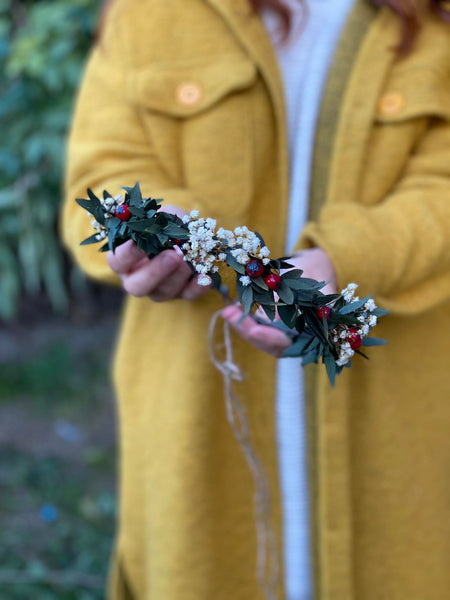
(315, 264)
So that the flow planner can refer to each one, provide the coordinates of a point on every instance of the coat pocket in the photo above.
(198, 116)
(415, 92)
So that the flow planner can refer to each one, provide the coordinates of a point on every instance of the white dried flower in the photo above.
(372, 321)
(245, 280)
(370, 305)
(204, 280)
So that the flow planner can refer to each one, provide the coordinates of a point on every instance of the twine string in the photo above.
(267, 566)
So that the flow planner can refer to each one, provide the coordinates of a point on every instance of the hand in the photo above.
(316, 265)
(164, 277)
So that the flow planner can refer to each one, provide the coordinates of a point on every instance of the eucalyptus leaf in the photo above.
(288, 314)
(292, 274)
(373, 341)
(247, 299)
(92, 239)
(353, 306)
(285, 293)
(330, 365)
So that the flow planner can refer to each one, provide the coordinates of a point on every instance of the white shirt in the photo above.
(304, 63)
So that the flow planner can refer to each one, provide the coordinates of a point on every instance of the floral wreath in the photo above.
(327, 327)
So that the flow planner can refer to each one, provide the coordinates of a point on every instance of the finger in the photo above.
(173, 286)
(152, 274)
(266, 338)
(125, 257)
(193, 290)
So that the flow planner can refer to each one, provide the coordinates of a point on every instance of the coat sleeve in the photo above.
(399, 249)
(109, 148)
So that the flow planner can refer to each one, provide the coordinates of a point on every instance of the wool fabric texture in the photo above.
(380, 449)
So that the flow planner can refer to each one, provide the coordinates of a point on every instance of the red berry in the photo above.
(123, 212)
(323, 310)
(273, 281)
(254, 269)
(354, 339)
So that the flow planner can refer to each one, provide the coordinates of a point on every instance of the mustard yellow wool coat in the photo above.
(186, 97)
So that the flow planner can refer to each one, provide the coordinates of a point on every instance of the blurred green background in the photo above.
(57, 438)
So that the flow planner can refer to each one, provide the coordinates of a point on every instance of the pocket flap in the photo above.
(415, 92)
(185, 88)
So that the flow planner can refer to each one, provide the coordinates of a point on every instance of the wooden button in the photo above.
(391, 103)
(188, 94)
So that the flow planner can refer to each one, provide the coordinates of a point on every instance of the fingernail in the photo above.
(178, 250)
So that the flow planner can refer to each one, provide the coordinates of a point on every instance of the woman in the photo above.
(187, 98)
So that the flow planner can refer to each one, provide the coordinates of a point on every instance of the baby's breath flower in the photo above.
(372, 321)
(349, 292)
(370, 305)
(204, 280)
(245, 280)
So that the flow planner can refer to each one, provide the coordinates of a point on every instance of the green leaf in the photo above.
(259, 281)
(292, 274)
(247, 299)
(92, 196)
(285, 293)
(94, 207)
(261, 239)
(297, 347)
(90, 240)
(216, 281)
(233, 263)
(353, 306)
(135, 195)
(300, 323)
(304, 283)
(288, 314)
(146, 225)
(175, 231)
(373, 341)
(379, 312)
(269, 310)
(330, 365)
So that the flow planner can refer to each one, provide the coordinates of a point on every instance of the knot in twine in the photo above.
(267, 569)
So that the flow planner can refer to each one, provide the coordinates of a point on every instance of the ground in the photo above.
(57, 458)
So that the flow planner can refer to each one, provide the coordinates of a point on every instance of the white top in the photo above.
(304, 62)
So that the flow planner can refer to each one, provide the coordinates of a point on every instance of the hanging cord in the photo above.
(267, 568)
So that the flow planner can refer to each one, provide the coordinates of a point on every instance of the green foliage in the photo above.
(42, 48)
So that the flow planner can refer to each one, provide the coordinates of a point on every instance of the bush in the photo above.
(42, 48)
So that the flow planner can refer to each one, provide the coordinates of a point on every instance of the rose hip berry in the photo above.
(273, 281)
(123, 212)
(354, 339)
(324, 310)
(254, 269)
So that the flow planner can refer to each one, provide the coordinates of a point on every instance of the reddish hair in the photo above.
(410, 13)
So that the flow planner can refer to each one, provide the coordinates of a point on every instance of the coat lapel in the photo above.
(359, 106)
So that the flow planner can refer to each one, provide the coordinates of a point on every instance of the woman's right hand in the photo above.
(164, 277)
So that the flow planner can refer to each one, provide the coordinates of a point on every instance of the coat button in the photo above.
(188, 94)
(391, 103)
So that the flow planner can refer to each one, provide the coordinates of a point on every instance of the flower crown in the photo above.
(327, 327)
